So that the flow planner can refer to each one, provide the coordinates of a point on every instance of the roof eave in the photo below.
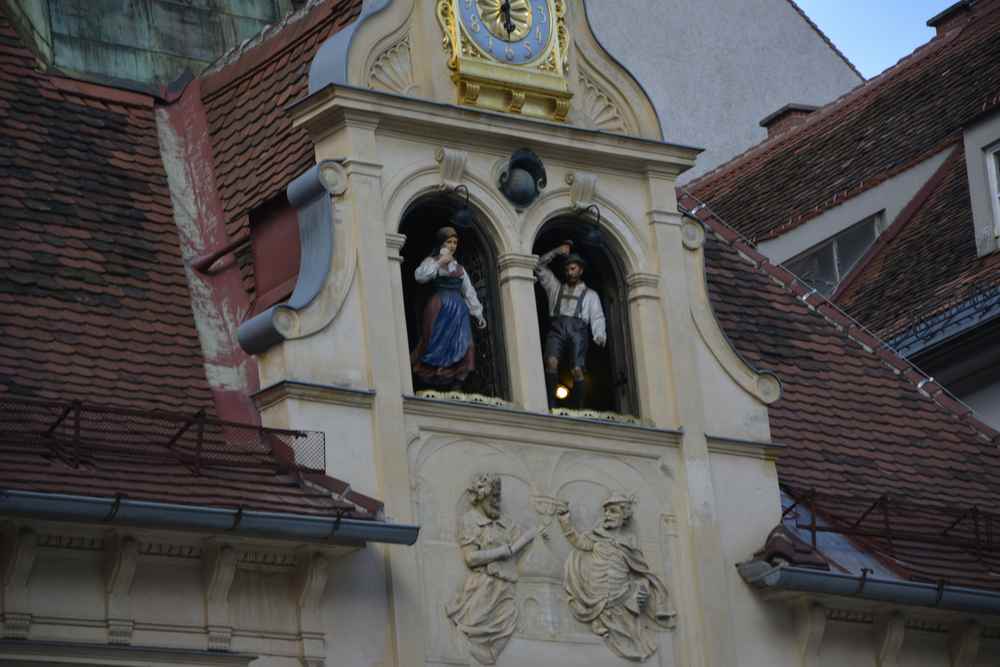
(239, 521)
(764, 576)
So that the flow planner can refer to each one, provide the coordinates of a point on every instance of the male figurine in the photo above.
(576, 316)
(484, 610)
(609, 584)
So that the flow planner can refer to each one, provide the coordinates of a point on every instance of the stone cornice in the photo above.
(337, 106)
(767, 451)
(103, 654)
(318, 393)
(564, 428)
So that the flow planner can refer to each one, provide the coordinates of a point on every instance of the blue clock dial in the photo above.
(509, 31)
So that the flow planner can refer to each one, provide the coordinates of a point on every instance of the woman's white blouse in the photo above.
(429, 270)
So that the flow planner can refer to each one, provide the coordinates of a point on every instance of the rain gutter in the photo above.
(762, 575)
(237, 521)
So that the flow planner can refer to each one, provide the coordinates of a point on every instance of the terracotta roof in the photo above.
(167, 458)
(94, 301)
(257, 152)
(95, 307)
(912, 111)
(906, 114)
(927, 265)
(857, 419)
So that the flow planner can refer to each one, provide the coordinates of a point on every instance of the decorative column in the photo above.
(657, 402)
(703, 584)
(524, 345)
(394, 243)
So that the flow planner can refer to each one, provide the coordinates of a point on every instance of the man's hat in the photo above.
(574, 257)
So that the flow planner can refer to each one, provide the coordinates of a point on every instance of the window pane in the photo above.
(853, 243)
(817, 269)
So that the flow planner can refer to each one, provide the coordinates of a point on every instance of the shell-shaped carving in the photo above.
(392, 71)
(598, 109)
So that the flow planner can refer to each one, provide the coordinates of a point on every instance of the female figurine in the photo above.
(446, 355)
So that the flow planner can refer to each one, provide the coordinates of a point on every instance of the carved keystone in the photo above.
(583, 188)
(452, 164)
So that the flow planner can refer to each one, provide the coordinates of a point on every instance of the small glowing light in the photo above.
(561, 392)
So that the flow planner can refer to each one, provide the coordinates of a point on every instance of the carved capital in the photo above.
(643, 286)
(452, 163)
(514, 266)
(583, 188)
(393, 244)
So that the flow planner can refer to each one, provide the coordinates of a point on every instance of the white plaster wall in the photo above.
(748, 508)
(715, 68)
(986, 402)
(849, 644)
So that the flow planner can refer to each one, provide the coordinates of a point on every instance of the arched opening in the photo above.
(609, 377)
(477, 255)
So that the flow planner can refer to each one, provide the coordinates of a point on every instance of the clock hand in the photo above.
(508, 23)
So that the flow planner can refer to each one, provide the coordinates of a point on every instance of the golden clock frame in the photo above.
(539, 89)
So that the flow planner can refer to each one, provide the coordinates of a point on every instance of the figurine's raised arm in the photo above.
(581, 542)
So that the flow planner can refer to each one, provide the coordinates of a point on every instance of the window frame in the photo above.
(878, 227)
(992, 154)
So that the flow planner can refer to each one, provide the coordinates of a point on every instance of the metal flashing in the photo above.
(976, 311)
(329, 65)
(310, 196)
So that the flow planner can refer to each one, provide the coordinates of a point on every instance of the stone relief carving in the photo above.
(392, 71)
(484, 610)
(610, 586)
(599, 109)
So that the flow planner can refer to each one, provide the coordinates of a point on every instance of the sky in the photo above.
(874, 34)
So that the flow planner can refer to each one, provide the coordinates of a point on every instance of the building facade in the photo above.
(737, 476)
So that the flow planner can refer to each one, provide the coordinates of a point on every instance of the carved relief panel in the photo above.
(520, 563)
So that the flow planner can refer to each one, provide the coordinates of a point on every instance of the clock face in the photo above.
(510, 31)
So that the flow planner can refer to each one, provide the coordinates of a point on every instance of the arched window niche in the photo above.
(476, 254)
(609, 376)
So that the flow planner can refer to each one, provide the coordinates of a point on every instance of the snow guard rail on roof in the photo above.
(78, 433)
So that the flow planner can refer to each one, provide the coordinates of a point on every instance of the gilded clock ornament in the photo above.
(510, 20)
(500, 52)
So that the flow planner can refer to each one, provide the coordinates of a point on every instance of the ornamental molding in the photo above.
(392, 70)
(598, 110)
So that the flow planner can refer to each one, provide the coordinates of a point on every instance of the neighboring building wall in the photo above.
(986, 402)
(715, 69)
